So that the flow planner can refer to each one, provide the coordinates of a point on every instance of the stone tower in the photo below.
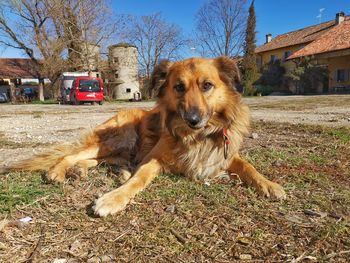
(123, 63)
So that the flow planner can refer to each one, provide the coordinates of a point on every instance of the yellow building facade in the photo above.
(327, 43)
(339, 69)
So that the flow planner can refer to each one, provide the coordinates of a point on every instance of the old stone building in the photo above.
(90, 58)
(123, 64)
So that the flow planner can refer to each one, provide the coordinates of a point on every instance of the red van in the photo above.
(86, 89)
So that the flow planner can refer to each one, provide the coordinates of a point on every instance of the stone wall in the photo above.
(90, 57)
(124, 67)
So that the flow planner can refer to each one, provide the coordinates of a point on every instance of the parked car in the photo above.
(86, 89)
(67, 79)
(29, 93)
(3, 97)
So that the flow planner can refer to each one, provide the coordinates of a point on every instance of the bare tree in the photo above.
(87, 25)
(23, 25)
(220, 27)
(57, 35)
(155, 39)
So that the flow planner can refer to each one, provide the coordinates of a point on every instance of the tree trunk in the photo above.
(12, 92)
(41, 90)
(115, 91)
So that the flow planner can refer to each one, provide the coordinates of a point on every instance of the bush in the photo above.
(308, 74)
(272, 74)
(264, 90)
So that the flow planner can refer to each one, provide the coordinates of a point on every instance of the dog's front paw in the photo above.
(124, 175)
(110, 203)
(56, 175)
(271, 190)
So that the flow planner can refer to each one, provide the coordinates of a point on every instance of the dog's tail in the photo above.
(42, 161)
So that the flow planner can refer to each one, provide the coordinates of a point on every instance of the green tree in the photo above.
(307, 75)
(273, 74)
(250, 69)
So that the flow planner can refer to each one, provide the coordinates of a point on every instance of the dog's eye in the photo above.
(180, 87)
(207, 86)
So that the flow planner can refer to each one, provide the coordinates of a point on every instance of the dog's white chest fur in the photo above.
(201, 160)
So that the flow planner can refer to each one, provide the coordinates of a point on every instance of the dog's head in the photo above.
(196, 89)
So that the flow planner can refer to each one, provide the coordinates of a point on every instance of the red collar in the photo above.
(227, 141)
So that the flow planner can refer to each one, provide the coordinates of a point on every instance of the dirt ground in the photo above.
(41, 125)
(302, 142)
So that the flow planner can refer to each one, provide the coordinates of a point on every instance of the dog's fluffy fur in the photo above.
(183, 134)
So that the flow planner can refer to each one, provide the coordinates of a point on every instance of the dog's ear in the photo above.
(158, 78)
(228, 71)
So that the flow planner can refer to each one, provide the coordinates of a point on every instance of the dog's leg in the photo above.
(149, 168)
(251, 177)
(124, 171)
(117, 199)
(84, 166)
(58, 172)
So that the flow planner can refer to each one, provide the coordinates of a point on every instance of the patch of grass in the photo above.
(49, 101)
(17, 189)
(321, 201)
(317, 159)
(116, 100)
(265, 157)
(341, 134)
(177, 187)
(300, 103)
(259, 234)
(6, 143)
(38, 114)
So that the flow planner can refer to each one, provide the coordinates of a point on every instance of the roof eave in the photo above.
(291, 57)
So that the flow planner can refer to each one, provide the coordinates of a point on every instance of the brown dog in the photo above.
(196, 130)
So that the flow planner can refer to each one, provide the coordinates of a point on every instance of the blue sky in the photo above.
(273, 16)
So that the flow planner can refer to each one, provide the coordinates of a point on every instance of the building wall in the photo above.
(334, 64)
(124, 65)
(265, 57)
(90, 57)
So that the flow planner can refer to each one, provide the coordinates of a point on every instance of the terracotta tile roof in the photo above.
(301, 36)
(18, 68)
(337, 38)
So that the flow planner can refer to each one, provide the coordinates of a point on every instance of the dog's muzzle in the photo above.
(194, 118)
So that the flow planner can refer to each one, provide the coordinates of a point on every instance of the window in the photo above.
(128, 90)
(116, 60)
(4, 82)
(286, 55)
(116, 75)
(97, 75)
(342, 75)
(273, 58)
(87, 85)
(17, 82)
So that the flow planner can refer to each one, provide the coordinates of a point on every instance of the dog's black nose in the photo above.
(193, 116)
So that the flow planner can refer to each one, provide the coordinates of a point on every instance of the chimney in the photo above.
(339, 18)
(268, 38)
